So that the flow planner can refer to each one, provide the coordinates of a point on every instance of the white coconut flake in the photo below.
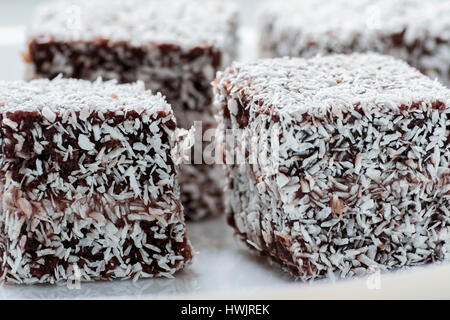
(85, 143)
(48, 114)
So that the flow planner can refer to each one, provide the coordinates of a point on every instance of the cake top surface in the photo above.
(187, 23)
(296, 85)
(345, 17)
(70, 94)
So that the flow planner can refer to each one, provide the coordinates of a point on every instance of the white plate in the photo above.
(224, 268)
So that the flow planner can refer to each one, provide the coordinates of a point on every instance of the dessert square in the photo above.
(175, 49)
(88, 181)
(413, 30)
(351, 169)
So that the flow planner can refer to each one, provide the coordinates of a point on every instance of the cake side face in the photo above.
(89, 183)
(357, 178)
(182, 75)
(413, 30)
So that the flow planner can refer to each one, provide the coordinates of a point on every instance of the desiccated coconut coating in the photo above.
(88, 181)
(414, 30)
(359, 178)
(139, 22)
(175, 48)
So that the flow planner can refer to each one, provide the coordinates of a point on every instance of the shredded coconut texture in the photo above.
(174, 47)
(414, 30)
(354, 176)
(181, 22)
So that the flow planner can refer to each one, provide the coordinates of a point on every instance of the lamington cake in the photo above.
(175, 48)
(351, 173)
(88, 181)
(414, 30)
